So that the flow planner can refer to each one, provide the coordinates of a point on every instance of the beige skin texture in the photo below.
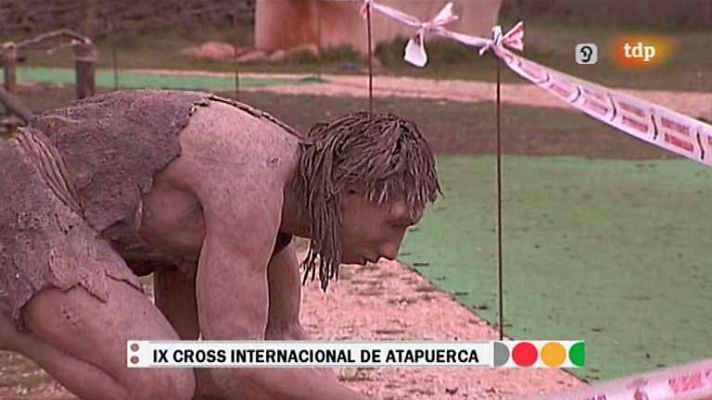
(220, 206)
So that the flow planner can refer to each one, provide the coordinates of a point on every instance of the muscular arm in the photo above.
(284, 303)
(233, 304)
(285, 291)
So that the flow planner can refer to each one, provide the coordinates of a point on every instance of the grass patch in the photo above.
(609, 251)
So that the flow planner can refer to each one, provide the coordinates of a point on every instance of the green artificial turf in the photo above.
(613, 252)
(105, 79)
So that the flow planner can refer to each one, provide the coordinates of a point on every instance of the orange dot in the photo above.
(553, 354)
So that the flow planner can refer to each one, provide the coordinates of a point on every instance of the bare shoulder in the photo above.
(229, 146)
(236, 162)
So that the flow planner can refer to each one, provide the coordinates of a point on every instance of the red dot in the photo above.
(524, 354)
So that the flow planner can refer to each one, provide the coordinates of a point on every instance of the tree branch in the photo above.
(15, 106)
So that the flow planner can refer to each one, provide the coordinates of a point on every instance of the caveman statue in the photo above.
(206, 194)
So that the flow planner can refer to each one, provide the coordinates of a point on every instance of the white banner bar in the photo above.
(287, 354)
(281, 354)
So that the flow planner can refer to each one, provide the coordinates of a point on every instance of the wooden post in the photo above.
(9, 62)
(85, 57)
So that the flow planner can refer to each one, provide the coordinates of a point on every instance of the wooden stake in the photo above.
(85, 57)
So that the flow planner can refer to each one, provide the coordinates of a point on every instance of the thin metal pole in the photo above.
(115, 66)
(499, 203)
(318, 40)
(234, 56)
(370, 59)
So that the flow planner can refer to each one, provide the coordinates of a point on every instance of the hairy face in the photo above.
(370, 230)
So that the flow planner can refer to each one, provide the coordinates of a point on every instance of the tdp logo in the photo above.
(641, 52)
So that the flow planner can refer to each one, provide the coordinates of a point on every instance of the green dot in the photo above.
(577, 354)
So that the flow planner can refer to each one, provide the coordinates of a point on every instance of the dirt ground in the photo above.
(378, 302)
(390, 302)
(410, 308)
(696, 104)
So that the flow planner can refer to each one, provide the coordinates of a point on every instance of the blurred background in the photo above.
(314, 36)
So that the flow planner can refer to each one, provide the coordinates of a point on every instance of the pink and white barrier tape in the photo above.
(647, 121)
(689, 382)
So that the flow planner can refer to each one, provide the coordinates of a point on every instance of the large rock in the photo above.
(215, 51)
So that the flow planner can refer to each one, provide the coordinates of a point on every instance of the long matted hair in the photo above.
(383, 155)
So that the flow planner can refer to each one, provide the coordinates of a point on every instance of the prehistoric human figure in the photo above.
(206, 194)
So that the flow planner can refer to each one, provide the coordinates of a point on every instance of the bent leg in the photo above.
(175, 297)
(82, 378)
(81, 341)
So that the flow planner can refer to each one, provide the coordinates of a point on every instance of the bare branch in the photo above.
(40, 40)
(15, 106)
